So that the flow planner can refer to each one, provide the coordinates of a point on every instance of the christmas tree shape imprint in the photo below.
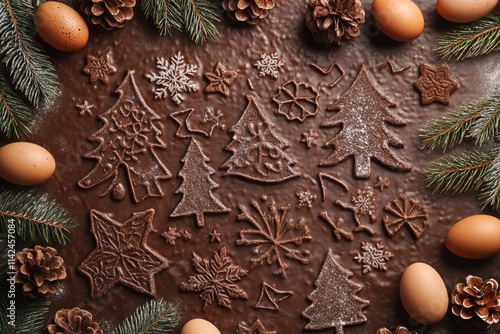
(335, 303)
(258, 152)
(128, 139)
(197, 186)
(363, 113)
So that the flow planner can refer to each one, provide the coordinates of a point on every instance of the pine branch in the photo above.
(490, 191)
(36, 3)
(154, 317)
(199, 16)
(479, 120)
(15, 114)
(30, 315)
(37, 218)
(477, 38)
(30, 69)
(459, 173)
(166, 15)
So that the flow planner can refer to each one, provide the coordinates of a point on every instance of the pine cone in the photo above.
(249, 11)
(477, 303)
(108, 13)
(334, 21)
(74, 321)
(395, 330)
(39, 270)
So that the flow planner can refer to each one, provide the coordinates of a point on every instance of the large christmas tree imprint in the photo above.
(335, 303)
(128, 138)
(197, 186)
(363, 112)
(258, 152)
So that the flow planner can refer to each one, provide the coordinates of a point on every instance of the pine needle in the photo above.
(154, 317)
(166, 15)
(30, 69)
(30, 315)
(479, 120)
(37, 218)
(490, 191)
(15, 114)
(459, 173)
(199, 16)
(474, 39)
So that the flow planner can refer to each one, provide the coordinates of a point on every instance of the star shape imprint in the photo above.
(122, 254)
(435, 84)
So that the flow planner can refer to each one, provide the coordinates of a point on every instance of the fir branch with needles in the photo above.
(15, 113)
(37, 218)
(197, 17)
(479, 121)
(30, 70)
(471, 40)
(30, 314)
(154, 317)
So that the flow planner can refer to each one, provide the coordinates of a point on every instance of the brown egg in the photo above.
(423, 293)
(400, 20)
(61, 26)
(474, 237)
(26, 164)
(464, 10)
(199, 326)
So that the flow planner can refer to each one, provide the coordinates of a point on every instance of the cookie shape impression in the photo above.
(197, 186)
(99, 68)
(128, 138)
(334, 305)
(258, 152)
(122, 254)
(435, 84)
(363, 114)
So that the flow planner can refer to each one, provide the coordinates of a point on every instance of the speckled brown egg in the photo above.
(474, 237)
(423, 293)
(61, 26)
(26, 164)
(464, 10)
(400, 20)
(199, 326)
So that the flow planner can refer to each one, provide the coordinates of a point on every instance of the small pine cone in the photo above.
(108, 13)
(249, 11)
(74, 321)
(334, 21)
(395, 330)
(39, 270)
(476, 304)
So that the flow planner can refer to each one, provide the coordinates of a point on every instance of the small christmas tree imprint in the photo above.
(258, 152)
(335, 303)
(197, 186)
(363, 113)
(128, 138)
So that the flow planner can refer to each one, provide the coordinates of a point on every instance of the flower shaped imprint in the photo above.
(296, 101)
(435, 84)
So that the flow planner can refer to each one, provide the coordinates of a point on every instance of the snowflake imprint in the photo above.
(269, 65)
(363, 204)
(306, 199)
(173, 78)
(373, 257)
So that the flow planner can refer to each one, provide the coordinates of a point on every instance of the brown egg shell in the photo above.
(474, 237)
(61, 26)
(423, 293)
(462, 11)
(400, 20)
(26, 164)
(199, 326)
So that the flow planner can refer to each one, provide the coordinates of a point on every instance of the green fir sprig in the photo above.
(15, 113)
(30, 314)
(479, 121)
(29, 67)
(154, 317)
(36, 217)
(470, 171)
(474, 39)
(197, 17)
